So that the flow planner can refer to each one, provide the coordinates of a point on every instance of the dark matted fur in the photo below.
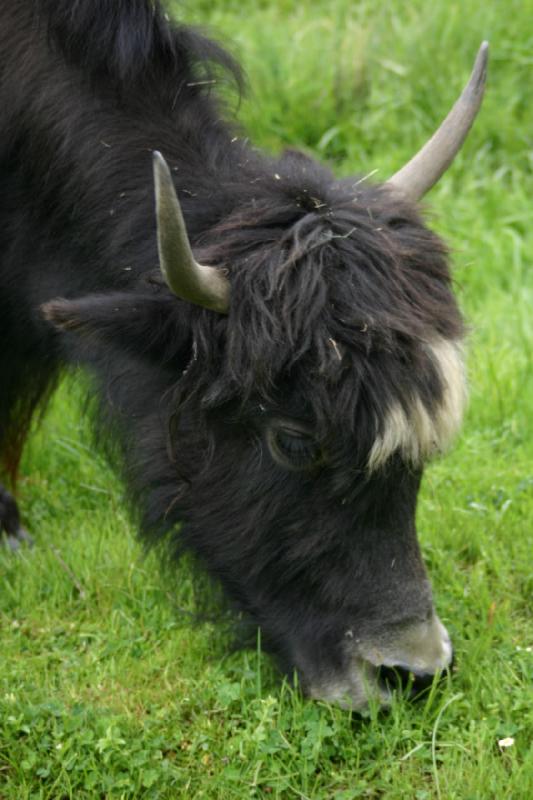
(317, 267)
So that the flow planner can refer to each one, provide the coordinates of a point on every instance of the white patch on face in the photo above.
(416, 432)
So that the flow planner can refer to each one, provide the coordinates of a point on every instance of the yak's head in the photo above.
(325, 369)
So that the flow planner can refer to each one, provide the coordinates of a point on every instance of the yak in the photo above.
(275, 353)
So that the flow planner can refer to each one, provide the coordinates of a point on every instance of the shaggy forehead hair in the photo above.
(341, 305)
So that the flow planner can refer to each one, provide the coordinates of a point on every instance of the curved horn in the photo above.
(424, 170)
(203, 286)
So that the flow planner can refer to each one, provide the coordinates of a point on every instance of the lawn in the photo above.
(109, 685)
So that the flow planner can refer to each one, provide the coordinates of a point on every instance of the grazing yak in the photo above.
(276, 352)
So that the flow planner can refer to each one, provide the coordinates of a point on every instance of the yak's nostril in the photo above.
(423, 648)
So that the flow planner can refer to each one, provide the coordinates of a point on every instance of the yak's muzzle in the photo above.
(411, 655)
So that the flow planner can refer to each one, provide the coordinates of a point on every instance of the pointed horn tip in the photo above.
(160, 166)
(439, 151)
(479, 72)
(163, 183)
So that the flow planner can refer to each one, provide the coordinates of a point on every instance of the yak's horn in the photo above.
(204, 286)
(424, 170)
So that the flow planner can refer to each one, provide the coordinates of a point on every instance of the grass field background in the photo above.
(107, 688)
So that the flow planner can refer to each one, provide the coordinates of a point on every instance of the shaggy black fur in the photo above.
(335, 288)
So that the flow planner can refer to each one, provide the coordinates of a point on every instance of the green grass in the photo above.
(107, 689)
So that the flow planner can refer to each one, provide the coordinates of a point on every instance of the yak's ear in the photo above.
(139, 323)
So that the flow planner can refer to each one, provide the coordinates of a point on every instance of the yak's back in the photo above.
(125, 39)
(117, 37)
(126, 42)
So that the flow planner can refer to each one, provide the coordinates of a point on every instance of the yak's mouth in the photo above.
(400, 680)
(375, 686)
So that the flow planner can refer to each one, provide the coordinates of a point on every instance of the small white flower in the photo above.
(507, 742)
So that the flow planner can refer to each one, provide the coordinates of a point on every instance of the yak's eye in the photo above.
(293, 446)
